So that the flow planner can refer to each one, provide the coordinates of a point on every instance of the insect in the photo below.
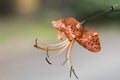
(74, 31)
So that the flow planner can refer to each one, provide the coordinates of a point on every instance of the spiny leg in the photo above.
(69, 56)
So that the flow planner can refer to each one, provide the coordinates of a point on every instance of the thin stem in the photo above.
(66, 55)
(90, 18)
(59, 52)
(64, 61)
(110, 10)
(74, 73)
(51, 49)
(47, 53)
(70, 71)
(69, 54)
(58, 44)
(48, 61)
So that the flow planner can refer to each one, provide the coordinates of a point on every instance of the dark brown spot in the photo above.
(85, 31)
(97, 39)
(95, 35)
(80, 40)
(96, 43)
(99, 44)
(96, 47)
(91, 44)
(88, 43)
(88, 39)
(93, 39)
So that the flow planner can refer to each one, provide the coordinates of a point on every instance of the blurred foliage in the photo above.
(87, 8)
(26, 29)
(48, 10)
(79, 9)
(35, 20)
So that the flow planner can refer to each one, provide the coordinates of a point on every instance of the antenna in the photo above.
(110, 10)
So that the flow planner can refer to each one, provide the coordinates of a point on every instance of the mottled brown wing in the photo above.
(90, 40)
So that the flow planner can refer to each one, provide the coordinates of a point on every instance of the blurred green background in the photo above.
(22, 21)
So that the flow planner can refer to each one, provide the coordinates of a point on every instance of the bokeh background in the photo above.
(22, 21)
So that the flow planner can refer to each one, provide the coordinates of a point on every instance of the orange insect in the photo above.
(74, 31)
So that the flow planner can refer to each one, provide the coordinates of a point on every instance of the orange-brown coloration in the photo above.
(90, 40)
(70, 27)
(74, 30)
